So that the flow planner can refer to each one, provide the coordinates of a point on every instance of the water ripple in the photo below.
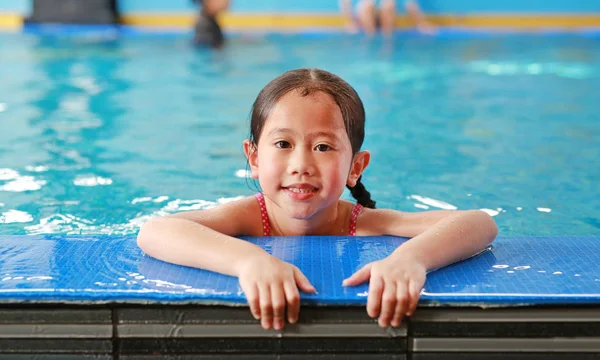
(96, 146)
(23, 183)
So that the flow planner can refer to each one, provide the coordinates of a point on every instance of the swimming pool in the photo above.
(101, 132)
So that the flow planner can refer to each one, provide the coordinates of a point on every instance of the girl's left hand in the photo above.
(394, 287)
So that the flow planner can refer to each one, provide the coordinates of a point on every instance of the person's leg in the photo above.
(346, 9)
(415, 13)
(367, 16)
(387, 16)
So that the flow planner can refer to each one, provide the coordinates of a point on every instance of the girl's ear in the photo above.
(252, 155)
(359, 164)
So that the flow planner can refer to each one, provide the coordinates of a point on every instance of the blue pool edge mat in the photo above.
(518, 270)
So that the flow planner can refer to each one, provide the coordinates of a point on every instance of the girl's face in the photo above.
(304, 156)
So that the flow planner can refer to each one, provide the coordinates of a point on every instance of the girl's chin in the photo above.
(306, 213)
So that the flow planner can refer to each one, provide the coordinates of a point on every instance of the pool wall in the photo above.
(311, 14)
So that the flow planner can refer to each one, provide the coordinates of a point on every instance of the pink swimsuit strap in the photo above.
(267, 228)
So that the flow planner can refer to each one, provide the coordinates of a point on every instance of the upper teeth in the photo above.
(296, 190)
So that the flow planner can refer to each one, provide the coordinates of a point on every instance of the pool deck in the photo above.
(292, 21)
(526, 297)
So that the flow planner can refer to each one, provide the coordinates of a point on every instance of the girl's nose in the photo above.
(301, 163)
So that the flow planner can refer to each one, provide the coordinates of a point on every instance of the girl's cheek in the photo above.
(275, 165)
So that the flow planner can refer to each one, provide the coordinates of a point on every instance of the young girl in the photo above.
(307, 128)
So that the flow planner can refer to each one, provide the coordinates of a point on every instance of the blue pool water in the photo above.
(98, 133)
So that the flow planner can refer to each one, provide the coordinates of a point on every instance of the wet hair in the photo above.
(311, 81)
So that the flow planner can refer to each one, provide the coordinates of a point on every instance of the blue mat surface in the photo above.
(517, 271)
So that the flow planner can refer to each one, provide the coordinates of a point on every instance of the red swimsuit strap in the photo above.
(355, 212)
(263, 214)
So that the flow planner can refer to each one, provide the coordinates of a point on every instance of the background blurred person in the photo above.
(207, 31)
(369, 16)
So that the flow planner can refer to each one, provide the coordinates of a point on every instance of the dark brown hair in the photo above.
(310, 81)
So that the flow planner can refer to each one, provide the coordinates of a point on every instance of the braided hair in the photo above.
(360, 193)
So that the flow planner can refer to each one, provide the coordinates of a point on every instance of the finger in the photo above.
(303, 282)
(414, 293)
(278, 301)
(358, 277)
(404, 299)
(401, 304)
(266, 308)
(374, 298)
(388, 303)
(253, 300)
(292, 297)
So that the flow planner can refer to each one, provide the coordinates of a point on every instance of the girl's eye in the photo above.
(282, 144)
(323, 147)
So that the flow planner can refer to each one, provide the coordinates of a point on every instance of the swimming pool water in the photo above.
(99, 133)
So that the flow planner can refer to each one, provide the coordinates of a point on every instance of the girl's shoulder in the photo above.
(376, 222)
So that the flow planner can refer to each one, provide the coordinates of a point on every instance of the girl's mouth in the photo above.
(300, 192)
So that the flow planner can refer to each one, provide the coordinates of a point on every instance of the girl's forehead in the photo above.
(316, 110)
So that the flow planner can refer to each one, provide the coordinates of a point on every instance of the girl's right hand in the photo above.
(270, 286)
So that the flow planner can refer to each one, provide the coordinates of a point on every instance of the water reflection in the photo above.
(76, 110)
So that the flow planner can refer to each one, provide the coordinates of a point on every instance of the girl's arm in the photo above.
(439, 238)
(205, 239)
